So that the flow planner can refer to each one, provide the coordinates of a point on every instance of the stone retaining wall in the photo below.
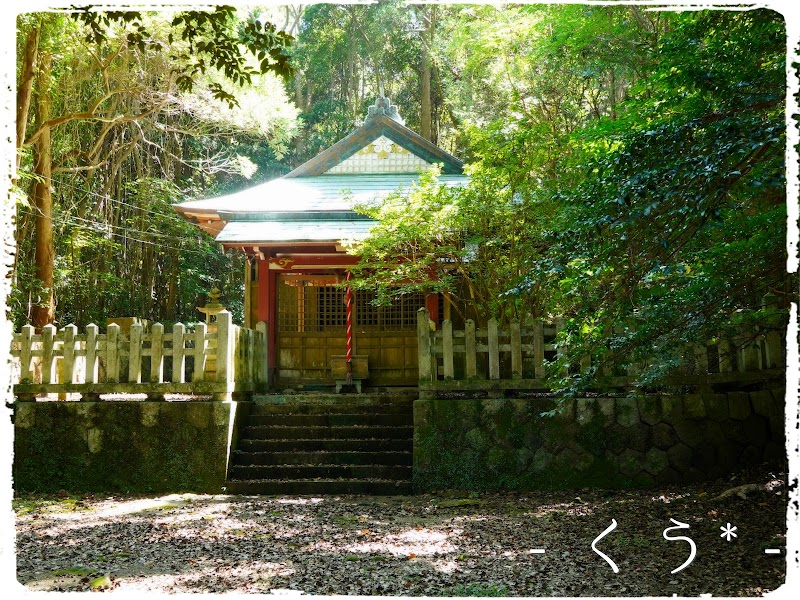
(123, 446)
(506, 444)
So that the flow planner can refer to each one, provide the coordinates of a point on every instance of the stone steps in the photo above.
(272, 487)
(352, 432)
(325, 444)
(325, 407)
(320, 471)
(329, 420)
(324, 457)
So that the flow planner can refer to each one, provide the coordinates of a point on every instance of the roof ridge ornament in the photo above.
(384, 106)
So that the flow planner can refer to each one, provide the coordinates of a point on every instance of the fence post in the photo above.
(26, 345)
(199, 353)
(225, 331)
(469, 347)
(701, 359)
(69, 353)
(424, 345)
(135, 354)
(262, 375)
(750, 359)
(516, 350)
(112, 353)
(774, 348)
(248, 357)
(774, 345)
(447, 349)
(48, 339)
(494, 350)
(726, 356)
(538, 349)
(91, 353)
(178, 353)
(157, 353)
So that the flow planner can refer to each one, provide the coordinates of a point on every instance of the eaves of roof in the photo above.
(259, 232)
(336, 193)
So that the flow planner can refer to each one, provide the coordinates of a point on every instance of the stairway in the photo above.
(325, 444)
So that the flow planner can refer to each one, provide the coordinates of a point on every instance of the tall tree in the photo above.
(42, 197)
(113, 106)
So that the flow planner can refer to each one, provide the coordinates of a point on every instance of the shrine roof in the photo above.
(315, 201)
(247, 232)
(301, 194)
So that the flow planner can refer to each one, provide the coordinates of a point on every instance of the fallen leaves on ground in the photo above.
(436, 545)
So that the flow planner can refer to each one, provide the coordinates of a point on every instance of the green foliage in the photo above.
(627, 174)
(462, 242)
(677, 229)
(213, 41)
(127, 144)
(348, 55)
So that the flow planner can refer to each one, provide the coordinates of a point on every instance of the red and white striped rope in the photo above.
(349, 303)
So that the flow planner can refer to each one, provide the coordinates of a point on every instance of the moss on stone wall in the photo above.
(121, 446)
(506, 444)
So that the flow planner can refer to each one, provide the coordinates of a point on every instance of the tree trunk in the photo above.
(426, 106)
(42, 200)
(25, 87)
(612, 94)
(351, 77)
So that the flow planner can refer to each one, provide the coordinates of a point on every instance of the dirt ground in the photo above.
(529, 544)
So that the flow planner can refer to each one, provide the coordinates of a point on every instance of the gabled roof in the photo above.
(315, 201)
(371, 130)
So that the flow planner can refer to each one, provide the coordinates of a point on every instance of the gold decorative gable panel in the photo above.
(381, 156)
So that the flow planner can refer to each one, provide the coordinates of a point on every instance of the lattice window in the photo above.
(366, 313)
(331, 309)
(400, 315)
(411, 304)
(288, 315)
(315, 308)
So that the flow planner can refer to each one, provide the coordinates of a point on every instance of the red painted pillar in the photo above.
(272, 279)
(266, 307)
(432, 304)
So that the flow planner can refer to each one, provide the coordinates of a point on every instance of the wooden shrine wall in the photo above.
(311, 329)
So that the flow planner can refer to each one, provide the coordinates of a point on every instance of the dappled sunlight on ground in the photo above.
(410, 543)
(532, 544)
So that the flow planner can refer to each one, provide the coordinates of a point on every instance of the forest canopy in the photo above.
(627, 165)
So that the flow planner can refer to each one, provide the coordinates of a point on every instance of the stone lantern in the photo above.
(211, 310)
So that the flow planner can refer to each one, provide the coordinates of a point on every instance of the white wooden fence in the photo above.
(230, 360)
(516, 357)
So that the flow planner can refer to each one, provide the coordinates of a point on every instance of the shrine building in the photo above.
(291, 229)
